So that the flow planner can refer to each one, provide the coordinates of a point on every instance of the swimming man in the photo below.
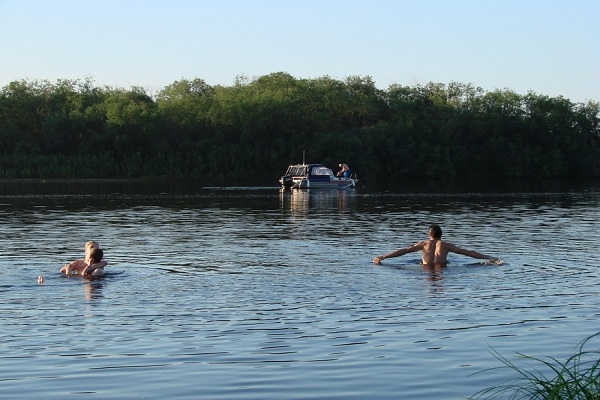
(79, 265)
(96, 267)
(434, 251)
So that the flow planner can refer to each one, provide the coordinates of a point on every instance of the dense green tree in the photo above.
(247, 133)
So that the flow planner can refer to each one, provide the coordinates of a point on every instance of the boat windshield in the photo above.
(296, 170)
(322, 171)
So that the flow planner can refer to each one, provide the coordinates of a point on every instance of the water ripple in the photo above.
(255, 293)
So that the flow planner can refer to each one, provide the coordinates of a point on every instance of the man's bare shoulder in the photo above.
(453, 248)
(447, 245)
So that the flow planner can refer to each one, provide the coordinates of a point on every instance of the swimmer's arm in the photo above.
(93, 267)
(470, 253)
(399, 252)
(72, 266)
(89, 269)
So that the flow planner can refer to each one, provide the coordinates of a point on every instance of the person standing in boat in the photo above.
(344, 171)
(435, 251)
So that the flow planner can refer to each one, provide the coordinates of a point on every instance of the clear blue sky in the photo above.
(550, 47)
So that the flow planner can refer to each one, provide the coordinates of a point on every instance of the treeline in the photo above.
(249, 132)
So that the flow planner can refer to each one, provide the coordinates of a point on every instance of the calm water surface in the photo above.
(252, 293)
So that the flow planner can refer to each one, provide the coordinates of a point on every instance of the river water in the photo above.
(253, 293)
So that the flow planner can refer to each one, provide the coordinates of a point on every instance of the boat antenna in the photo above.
(303, 157)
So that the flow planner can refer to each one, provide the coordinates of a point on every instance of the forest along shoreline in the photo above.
(250, 132)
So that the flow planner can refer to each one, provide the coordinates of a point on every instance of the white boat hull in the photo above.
(304, 183)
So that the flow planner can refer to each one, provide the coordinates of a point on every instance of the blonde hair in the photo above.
(88, 248)
(90, 244)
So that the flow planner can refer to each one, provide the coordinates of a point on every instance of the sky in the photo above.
(549, 47)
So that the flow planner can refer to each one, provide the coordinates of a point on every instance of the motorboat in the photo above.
(314, 176)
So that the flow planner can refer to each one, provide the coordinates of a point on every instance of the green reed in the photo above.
(576, 378)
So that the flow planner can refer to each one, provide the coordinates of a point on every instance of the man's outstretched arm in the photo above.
(399, 252)
(470, 253)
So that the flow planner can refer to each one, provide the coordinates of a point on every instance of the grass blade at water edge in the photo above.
(577, 378)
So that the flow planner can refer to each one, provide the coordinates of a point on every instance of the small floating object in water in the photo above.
(493, 262)
(40, 280)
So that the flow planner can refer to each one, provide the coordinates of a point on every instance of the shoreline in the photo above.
(93, 180)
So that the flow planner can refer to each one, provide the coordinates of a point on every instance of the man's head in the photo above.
(435, 232)
(96, 255)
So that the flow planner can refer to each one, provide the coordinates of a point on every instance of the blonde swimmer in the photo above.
(78, 266)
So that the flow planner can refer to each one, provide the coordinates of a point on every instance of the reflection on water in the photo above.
(93, 290)
(433, 272)
(301, 202)
(258, 293)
